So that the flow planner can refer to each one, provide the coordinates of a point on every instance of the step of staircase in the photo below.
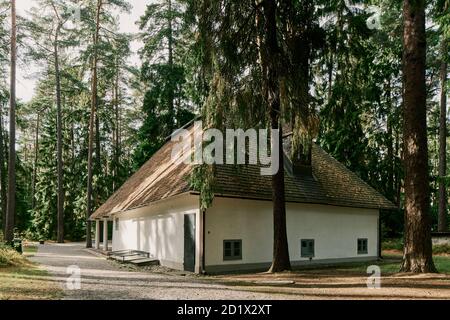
(127, 258)
(144, 262)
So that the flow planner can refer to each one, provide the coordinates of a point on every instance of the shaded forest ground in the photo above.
(350, 281)
(24, 280)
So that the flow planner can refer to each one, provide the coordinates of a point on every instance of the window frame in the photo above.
(309, 254)
(232, 248)
(364, 242)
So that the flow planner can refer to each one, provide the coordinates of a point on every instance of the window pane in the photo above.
(237, 249)
(232, 250)
(307, 248)
(363, 246)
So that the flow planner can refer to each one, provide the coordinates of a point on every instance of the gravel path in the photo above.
(107, 280)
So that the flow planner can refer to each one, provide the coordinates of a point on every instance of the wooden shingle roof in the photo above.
(330, 184)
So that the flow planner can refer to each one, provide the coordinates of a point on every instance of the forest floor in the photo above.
(103, 279)
(349, 281)
(25, 281)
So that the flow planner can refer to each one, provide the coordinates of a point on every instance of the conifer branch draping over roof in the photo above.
(160, 178)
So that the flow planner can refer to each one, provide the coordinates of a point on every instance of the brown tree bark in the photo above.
(98, 161)
(171, 92)
(11, 209)
(3, 173)
(271, 54)
(91, 127)
(390, 145)
(60, 205)
(35, 160)
(116, 129)
(442, 217)
(417, 256)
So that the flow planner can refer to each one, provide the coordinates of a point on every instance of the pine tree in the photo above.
(418, 251)
(11, 208)
(166, 105)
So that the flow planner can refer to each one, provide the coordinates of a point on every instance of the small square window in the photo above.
(363, 246)
(232, 250)
(307, 248)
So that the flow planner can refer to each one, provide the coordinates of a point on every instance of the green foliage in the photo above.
(392, 223)
(441, 249)
(392, 244)
(148, 135)
(166, 103)
(360, 119)
(202, 181)
(11, 258)
(203, 57)
(397, 244)
(115, 113)
(361, 94)
(43, 225)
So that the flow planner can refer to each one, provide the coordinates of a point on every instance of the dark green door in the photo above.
(189, 242)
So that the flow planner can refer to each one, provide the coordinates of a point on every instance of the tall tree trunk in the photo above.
(390, 145)
(11, 209)
(299, 41)
(98, 164)
(442, 221)
(271, 52)
(60, 214)
(171, 92)
(330, 75)
(116, 128)
(3, 174)
(35, 161)
(400, 153)
(417, 256)
(91, 128)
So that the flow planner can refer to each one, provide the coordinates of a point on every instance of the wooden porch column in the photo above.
(105, 235)
(97, 234)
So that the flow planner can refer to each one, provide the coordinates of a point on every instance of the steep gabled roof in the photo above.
(157, 179)
(160, 178)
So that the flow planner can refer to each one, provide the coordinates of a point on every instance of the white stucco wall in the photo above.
(158, 229)
(335, 230)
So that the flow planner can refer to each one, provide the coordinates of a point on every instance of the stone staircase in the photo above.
(135, 257)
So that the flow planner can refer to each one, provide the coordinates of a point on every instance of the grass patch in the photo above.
(27, 283)
(397, 245)
(441, 249)
(391, 264)
(392, 244)
(11, 258)
(442, 263)
(22, 280)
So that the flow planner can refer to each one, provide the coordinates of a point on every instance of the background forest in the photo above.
(92, 105)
